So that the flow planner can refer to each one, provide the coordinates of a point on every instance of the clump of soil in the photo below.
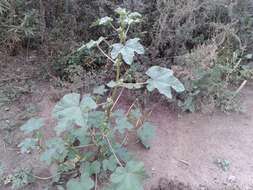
(166, 184)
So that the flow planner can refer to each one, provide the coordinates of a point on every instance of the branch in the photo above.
(110, 145)
(116, 101)
(102, 51)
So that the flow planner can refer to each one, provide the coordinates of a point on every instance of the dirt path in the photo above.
(186, 147)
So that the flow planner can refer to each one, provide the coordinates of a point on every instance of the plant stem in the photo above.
(116, 101)
(110, 145)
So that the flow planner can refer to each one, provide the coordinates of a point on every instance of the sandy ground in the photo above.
(187, 146)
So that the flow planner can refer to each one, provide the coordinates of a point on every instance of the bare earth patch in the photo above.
(186, 147)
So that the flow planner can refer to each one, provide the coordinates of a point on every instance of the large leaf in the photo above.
(32, 125)
(28, 144)
(70, 111)
(122, 123)
(56, 151)
(129, 178)
(85, 183)
(100, 90)
(127, 51)
(92, 168)
(146, 133)
(96, 119)
(110, 164)
(163, 80)
(81, 135)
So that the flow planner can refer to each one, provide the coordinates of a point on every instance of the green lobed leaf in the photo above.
(92, 168)
(146, 133)
(100, 90)
(70, 111)
(85, 183)
(88, 103)
(28, 144)
(110, 164)
(136, 113)
(96, 119)
(130, 177)
(122, 123)
(32, 124)
(127, 51)
(81, 135)
(56, 151)
(163, 80)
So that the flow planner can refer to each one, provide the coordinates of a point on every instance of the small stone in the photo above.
(232, 179)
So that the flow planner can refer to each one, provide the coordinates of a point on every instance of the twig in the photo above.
(110, 145)
(15, 78)
(241, 87)
(114, 28)
(116, 101)
(130, 108)
(84, 146)
(182, 161)
(102, 51)
(51, 177)
(124, 140)
(96, 181)
(45, 178)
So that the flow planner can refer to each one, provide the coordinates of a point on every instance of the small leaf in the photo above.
(85, 183)
(136, 113)
(105, 21)
(91, 44)
(121, 11)
(28, 144)
(122, 123)
(129, 178)
(32, 125)
(56, 151)
(127, 51)
(146, 133)
(100, 90)
(163, 80)
(134, 15)
(249, 56)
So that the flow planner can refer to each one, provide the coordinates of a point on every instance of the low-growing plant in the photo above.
(19, 25)
(91, 133)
